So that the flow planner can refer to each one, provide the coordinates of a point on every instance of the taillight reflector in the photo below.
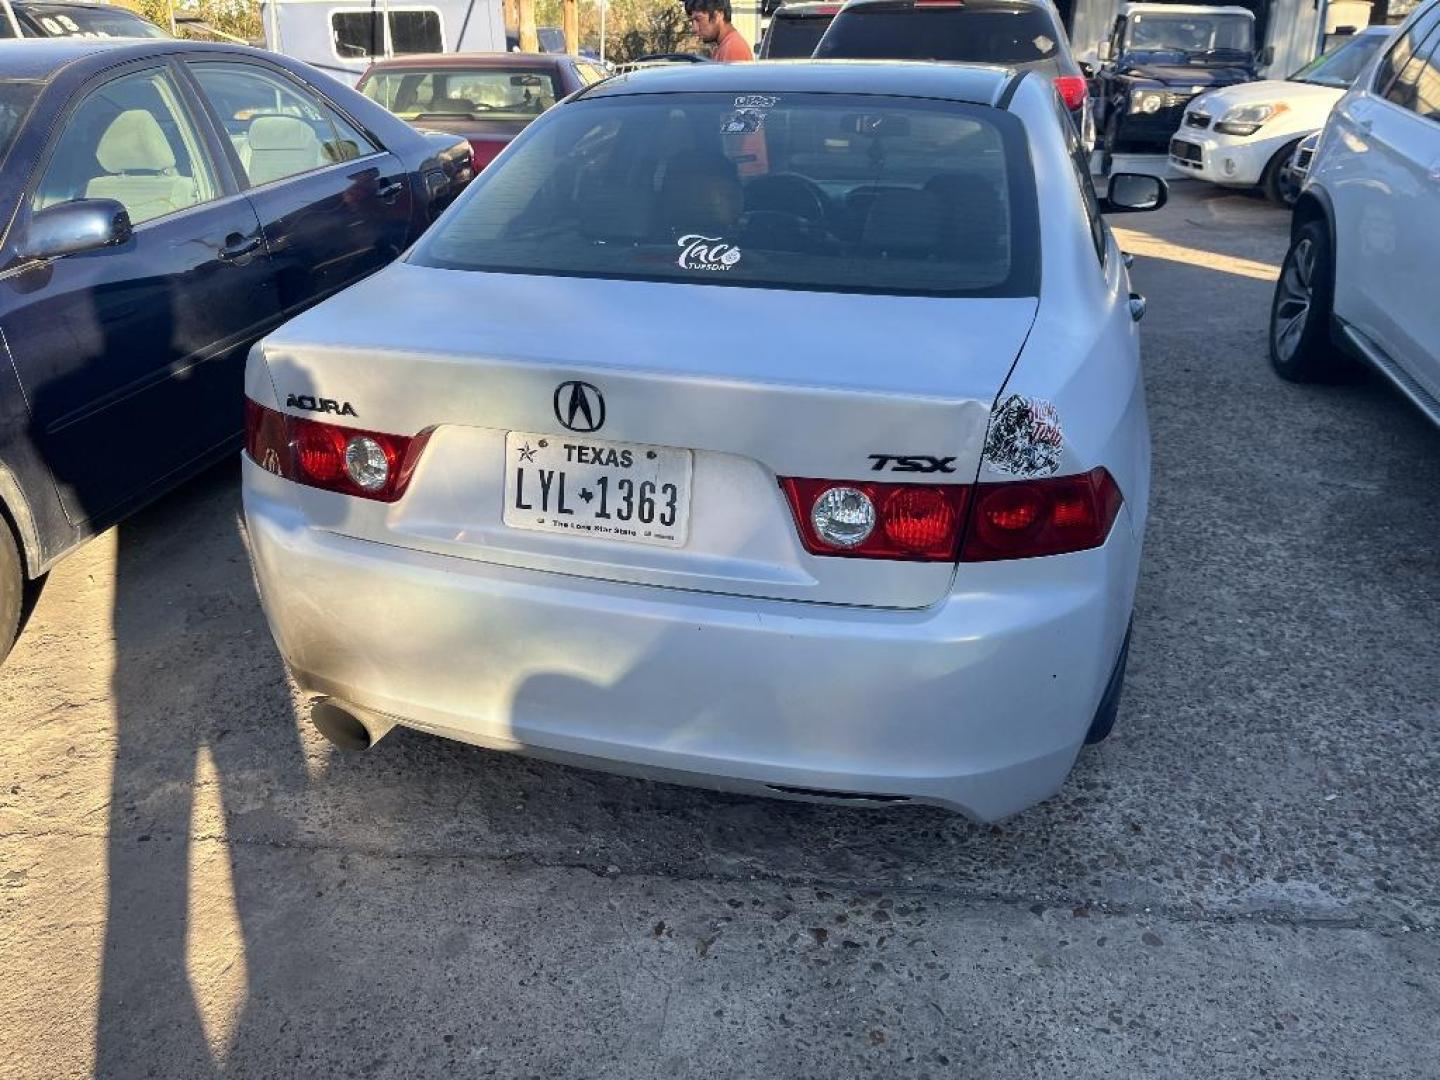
(313, 453)
(1072, 90)
(918, 522)
(1029, 518)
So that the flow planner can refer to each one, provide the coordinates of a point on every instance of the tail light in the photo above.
(364, 464)
(1072, 89)
(918, 522)
(1028, 518)
(925, 523)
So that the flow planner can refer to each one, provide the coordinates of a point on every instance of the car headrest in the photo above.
(134, 142)
(614, 214)
(280, 133)
(906, 224)
(701, 192)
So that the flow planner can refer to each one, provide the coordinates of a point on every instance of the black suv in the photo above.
(1021, 34)
(795, 30)
(1157, 58)
(22, 18)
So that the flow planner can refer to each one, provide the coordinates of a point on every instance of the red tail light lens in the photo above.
(1072, 90)
(1030, 518)
(923, 523)
(912, 521)
(330, 457)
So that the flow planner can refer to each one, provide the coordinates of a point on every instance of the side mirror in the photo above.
(1133, 193)
(73, 227)
(769, 7)
(1267, 56)
(1105, 52)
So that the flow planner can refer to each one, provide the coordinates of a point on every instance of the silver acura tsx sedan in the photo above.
(775, 428)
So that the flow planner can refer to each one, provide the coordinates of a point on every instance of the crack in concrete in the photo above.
(1293, 918)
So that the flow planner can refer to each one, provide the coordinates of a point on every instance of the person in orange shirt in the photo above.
(710, 19)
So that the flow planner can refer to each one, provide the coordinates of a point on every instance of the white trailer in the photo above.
(342, 37)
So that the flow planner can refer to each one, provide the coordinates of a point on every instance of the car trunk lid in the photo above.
(752, 384)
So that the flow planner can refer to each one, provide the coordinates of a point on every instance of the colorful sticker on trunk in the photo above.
(1025, 437)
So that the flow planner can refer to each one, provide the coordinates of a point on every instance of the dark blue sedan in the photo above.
(164, 205)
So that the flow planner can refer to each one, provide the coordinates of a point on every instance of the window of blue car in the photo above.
(130, 140)
(16, 97)
(277, 129)
(822, 192)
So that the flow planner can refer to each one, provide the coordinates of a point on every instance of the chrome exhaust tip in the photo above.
(346, 727)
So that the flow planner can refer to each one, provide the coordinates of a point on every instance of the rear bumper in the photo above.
(979, 703)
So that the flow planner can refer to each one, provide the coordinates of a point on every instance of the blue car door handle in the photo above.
(390, 190)
(237, 246)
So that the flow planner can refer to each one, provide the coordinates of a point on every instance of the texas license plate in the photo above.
(588, 487)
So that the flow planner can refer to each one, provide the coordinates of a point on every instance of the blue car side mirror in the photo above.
(73, 227)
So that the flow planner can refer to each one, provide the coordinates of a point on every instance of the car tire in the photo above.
(12, 589)
(1302, 348)
(1273, 182)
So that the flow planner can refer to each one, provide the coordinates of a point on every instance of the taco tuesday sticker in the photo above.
(706, 253)
(1025, 437)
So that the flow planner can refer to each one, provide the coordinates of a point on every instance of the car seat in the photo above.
(904, 225)
(279, 146)
(140, 169)
(700, 193)
(973, 214)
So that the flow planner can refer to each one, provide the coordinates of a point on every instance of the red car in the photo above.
(488, 98)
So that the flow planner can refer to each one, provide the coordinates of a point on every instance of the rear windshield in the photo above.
(1022, 34)
(15, 101)
(794, 38)
(87, 23)
(793, 191)
(448, 93)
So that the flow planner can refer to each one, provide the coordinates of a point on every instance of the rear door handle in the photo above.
(237, 246)
(1435, 171)
(390, 190)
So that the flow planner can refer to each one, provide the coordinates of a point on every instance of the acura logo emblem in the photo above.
(579, 406)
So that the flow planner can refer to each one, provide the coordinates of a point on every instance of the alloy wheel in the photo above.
(1296, 291)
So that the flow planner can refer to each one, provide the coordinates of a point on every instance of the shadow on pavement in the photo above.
(205, 742)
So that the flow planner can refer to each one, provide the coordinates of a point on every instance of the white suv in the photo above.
(1360, 277)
